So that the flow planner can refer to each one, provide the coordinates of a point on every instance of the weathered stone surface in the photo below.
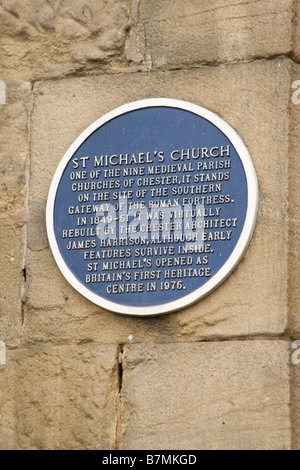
(11, 284)
(7, 421)
(296, 38)
(59, 398)
(254, 99)
(294, 243)
(60, 385)
(231, 395)
(294, 203)
(47, 39)
(13, 147)
(193, 32)
(14, 108)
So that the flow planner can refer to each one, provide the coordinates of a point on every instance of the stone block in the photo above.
(294, 202)
(210, 396)
(188, 33)
(43, 39)
(14, 148)
(296, 45)
(59, 398)
(254, 99)
(14, 110)
(11, 284)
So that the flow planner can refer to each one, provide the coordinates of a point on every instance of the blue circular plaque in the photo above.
(152, 207)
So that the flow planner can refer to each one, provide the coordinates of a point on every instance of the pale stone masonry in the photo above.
(217, 375)
(207, 396)
(205, 32)
(238, 307)
(13, 213)
(59, 398)
(52, 39)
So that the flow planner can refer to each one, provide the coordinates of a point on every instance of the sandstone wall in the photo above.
(217, 375)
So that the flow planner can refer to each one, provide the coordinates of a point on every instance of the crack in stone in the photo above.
(119, 397)
(26, 206)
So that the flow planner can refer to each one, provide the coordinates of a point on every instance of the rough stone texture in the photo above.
(14, 110)
(47, 39)
(192, 32)
(7, 421)
(295, 388)
(231, 395)
(13, 149)
(59, 398)
(294, 242)
(254, 99)
(296, 31)
(60, 386)
(294, 198)
(11, 283)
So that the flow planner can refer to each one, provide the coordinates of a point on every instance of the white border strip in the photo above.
(241, 246)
